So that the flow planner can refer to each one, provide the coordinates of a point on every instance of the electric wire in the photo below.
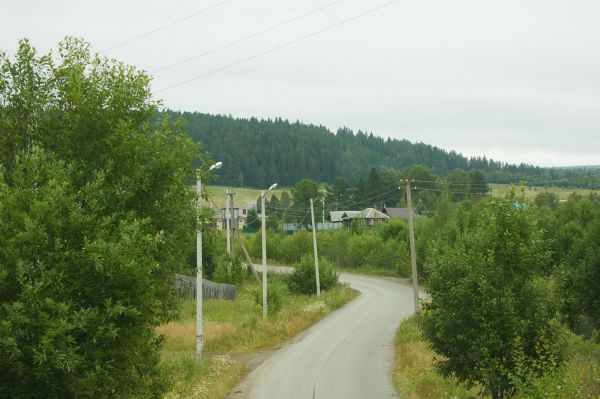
(248, 37)
(165, 26)
(278, 47)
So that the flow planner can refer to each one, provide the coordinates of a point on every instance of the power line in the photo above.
(163, 27)
(273, 49)
(248, 37)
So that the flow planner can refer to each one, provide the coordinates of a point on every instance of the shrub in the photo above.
(96, 215)
(229, 270)
(303, 280)
(276, 293)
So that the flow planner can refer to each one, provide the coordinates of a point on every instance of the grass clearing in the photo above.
(415, 376)
(500, 190)
(242, 194)
(235, 328)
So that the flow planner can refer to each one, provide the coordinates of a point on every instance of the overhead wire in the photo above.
(165, 26)
(278, 47)
(248, 37)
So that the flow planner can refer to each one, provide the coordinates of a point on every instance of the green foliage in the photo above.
(276, 293)
(489, 310)
(95, 218)
(287, 152)
(229, 270)
(303, 279)
(273, 222)
(253, 220)
(546, 199)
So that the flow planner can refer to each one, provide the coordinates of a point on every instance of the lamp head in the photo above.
(215, 166)
(273, 186)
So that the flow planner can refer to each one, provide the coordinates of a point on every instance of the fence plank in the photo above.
(186, 287)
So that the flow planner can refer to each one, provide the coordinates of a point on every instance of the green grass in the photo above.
(370, 271)
(415, 376)
(242, 195)
(232, 328)
(500, 190)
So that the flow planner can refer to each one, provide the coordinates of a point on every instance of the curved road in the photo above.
(348, 354)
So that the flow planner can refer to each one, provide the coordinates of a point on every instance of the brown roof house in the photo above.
(368, 217)
(399, 212)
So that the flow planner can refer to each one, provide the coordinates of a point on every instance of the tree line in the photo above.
(256, 152)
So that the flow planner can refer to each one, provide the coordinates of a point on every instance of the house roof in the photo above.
(368, 213)
(371, 213)
(338, 216)
(398, 212)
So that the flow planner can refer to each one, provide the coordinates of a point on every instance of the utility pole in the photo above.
(413, 254)
(214, 166)
(314, 231)
(232, 220)
(227, 221)
(198, 270)
(263, 227)
(264, 252)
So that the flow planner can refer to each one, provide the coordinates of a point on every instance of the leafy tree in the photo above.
(424, 197)
(579, 278)
(546, 199)
(253, 220)
(272, 222)
(478, 183)
(340, 192)
(459, 183)
(489, 311)
(302, 192)
(96, 215)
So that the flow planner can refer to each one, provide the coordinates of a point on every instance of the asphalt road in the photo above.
(348, 354)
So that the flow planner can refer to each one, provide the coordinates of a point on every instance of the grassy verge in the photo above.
(415, 376)
(232, 328)
(370, 271)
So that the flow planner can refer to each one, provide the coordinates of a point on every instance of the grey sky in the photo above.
(517, 81)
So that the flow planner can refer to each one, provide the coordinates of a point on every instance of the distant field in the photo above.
(242, 195)
(499, 190)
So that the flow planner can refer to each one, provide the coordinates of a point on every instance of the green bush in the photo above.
(276, 293)
(96, 215)
(229, 270)
(303, 280)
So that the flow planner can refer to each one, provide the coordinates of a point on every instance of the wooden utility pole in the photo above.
(248, 259)
(314, 231)
(227, 221)
(413, 254)
(232, 219)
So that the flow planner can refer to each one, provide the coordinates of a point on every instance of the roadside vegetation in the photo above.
(513, 307)
(234, 330)
(416, 376)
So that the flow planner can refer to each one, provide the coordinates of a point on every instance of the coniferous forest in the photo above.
(257, 152)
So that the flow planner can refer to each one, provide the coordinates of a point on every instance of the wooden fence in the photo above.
(186, 287)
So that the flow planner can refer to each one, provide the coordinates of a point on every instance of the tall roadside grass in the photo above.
(235, 328)
(415, 376)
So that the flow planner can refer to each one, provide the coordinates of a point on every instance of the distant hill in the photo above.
(256, 153)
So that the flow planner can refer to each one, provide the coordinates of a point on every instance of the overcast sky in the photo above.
(517, 81)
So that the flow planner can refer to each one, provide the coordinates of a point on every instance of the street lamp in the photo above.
(214, 166)
(323, 194)
(264, 246)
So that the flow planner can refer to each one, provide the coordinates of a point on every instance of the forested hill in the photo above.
(259, 152)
